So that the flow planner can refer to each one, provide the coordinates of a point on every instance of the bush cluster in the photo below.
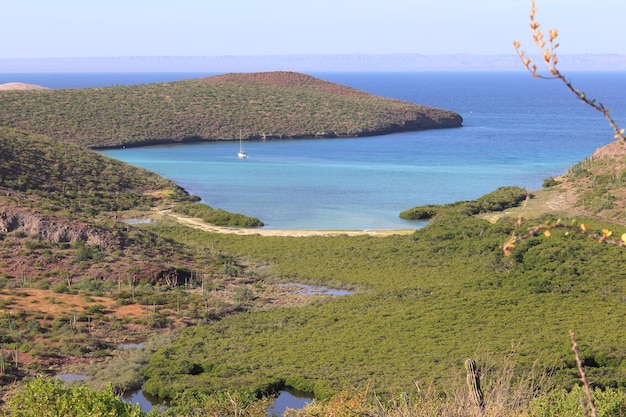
(498, 200)
(217, 217)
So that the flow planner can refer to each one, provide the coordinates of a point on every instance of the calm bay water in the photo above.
(517, 131)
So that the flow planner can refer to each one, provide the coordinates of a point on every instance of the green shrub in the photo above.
(502, 198)
(83, 253)
(220, 404)
(498, 200)
(420, 212)
(608, 403)
(61, 288)
(44, 397)
(550, 182)
(217, 217)
(95, 309)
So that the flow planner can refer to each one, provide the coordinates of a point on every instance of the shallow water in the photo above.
(517, 131)
(289, 399)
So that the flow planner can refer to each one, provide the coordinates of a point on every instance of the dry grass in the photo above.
(507, 393)
(555, 201)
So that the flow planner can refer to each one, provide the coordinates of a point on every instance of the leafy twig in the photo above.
(550, 59)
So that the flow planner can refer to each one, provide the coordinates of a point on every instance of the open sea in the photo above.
(517, 131)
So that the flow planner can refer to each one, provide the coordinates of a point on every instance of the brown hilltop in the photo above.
(21, 86)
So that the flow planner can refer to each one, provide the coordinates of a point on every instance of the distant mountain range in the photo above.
(303, 63)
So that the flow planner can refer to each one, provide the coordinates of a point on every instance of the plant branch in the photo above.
(583, 378)
(583, 229)
(548, 53)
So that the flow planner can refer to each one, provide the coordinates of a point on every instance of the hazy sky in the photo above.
(84, 28)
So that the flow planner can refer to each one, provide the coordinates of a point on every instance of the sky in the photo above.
(121, 28)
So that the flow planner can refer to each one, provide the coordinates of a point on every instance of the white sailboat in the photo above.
(241, 154)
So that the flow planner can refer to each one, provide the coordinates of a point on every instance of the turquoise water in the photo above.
(333, 183)
(517, 131)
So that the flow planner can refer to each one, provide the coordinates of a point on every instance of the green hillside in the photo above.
(422, 305)
(261, 105)
(65, 178)
(75, 280)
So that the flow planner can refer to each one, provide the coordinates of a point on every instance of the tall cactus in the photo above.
(473, 384)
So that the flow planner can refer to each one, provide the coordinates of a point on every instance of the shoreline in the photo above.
(201, 225)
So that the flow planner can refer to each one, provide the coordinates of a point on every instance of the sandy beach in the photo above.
(199, 224)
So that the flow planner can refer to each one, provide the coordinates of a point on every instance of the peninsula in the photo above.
(269, 105)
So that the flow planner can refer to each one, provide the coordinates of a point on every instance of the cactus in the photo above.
(473, 384)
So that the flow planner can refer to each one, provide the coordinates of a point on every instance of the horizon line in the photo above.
(390, 62)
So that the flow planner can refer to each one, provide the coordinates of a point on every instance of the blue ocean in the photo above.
(517, 131)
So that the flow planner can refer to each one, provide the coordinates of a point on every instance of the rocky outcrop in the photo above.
(55, 229)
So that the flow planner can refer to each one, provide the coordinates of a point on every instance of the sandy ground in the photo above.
(199, 224)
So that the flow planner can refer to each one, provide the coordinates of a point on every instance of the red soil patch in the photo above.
(45, 301)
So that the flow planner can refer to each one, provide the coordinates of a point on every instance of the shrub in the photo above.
(217, 217)
(44, 397)
(502, 198)
(95, 309)
(550, 182)
(419, 213)
(608, 403)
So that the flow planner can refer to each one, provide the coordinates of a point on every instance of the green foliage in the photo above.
(95, 309)
(550, 182)
(420, 212)
(414, 296)
(75, 181)
(217, 217)
(501, 199)
(83, 253)
(240, 403)
(123, 370)
(266, 105)
(608, 403)
(498, 200)
(45, 397)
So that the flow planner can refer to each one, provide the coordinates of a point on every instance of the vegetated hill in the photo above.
(70, 180)
(594, 187)
(597, 184)
(63, 196)
(261, 106)
(70, 268)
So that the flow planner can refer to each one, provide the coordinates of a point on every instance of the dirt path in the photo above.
(199, 224)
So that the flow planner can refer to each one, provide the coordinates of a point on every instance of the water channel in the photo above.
(287, 398)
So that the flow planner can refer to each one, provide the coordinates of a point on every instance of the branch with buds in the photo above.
(583, 229)
(550, 59)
